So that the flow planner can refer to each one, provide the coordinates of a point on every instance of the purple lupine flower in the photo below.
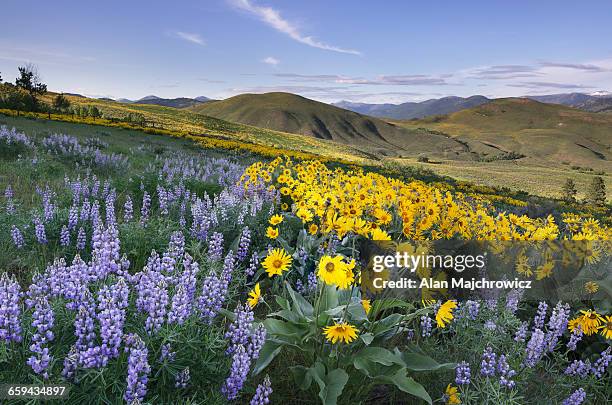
(262, 393)
(10, 204)
(73, 217)
(39, 230)
(128, 209)
(601, 365)
(521, 333)
(243, 244)
(535, 348)
(176, 246)
(94, 215)
(463, 373)
(70, 363)
(228, 268)
(505, 372)
(557, 324)
(241, 362)
(146, 207)
(42, 320)
(487, 365)
(166, 353)
(469, 309)
(81, 239)
(576, 398)
(253, 265)
(163, 200)
(512, 300)
(239, 331)
(182, 378)
(17, 237)
(212, 298)
(312, 282)
(109, 206)
(426, 325)
(409, 334)
(258, 339)
(579, 368)
(112, 303)
(215, 246)
(181, 306)
(65, 236)
(10, 310)
(138, 372)
(490, 324)
(538, 320)
(156, 307)
(84, 323)
(85, 210)
(575, 337)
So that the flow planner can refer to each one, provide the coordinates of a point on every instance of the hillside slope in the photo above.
(295, 114)
(404, 111)
(546, 132)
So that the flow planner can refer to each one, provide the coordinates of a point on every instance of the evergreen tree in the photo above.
(597, 193)
(569, 190)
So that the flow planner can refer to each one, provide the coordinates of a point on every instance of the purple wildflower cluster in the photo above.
(262, 393)
(576, 398)
(463, 373)
(43, 320)
(10, 310)
(138, 371)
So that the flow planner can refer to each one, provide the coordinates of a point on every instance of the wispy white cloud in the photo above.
(273, 18)
(190, 37)
(270, 60)
(389, 80)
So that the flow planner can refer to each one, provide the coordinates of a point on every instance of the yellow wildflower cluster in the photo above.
(334, 271)
(369, 204)
(590, 322)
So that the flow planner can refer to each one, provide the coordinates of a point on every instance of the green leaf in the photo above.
(301, 305)
(420, 362)
(288, 315)
(302, 377)
(336, 311)
(282, 302)
(406, 384)
(367, 338)
(268, 352)
(282, 328)
(332, 386)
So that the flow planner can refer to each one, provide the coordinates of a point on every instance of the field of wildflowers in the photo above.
(140, 269)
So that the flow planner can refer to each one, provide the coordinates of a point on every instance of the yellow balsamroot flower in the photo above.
(367, 305)
(276, 262)
(590, 321)
(452, 395)
(304, 214)
(272, 233)
(331, 269)
(284, 206)
(545, 270)
(275, 219)
(606, 328)
(342, 332)
(313, 229)
(345, 281)
(379, 234)
(591, 287)
(254, 296)
(445, 313)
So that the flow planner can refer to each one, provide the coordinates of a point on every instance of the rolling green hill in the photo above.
(295, 114)
(545, 132)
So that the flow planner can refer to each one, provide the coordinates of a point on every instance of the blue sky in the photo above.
(391, 51)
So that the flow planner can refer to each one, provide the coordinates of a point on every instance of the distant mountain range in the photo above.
(295, 114)
(179, 102)
(404, 111)
(596, 102)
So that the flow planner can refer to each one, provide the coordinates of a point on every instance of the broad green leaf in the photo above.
(283, 328)
(406, 384)
(367, 338)
(301, 376)
(420, 362)
(336, 311)
(282, 302)
(300, 304)
(268, 352)
(332, 386)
